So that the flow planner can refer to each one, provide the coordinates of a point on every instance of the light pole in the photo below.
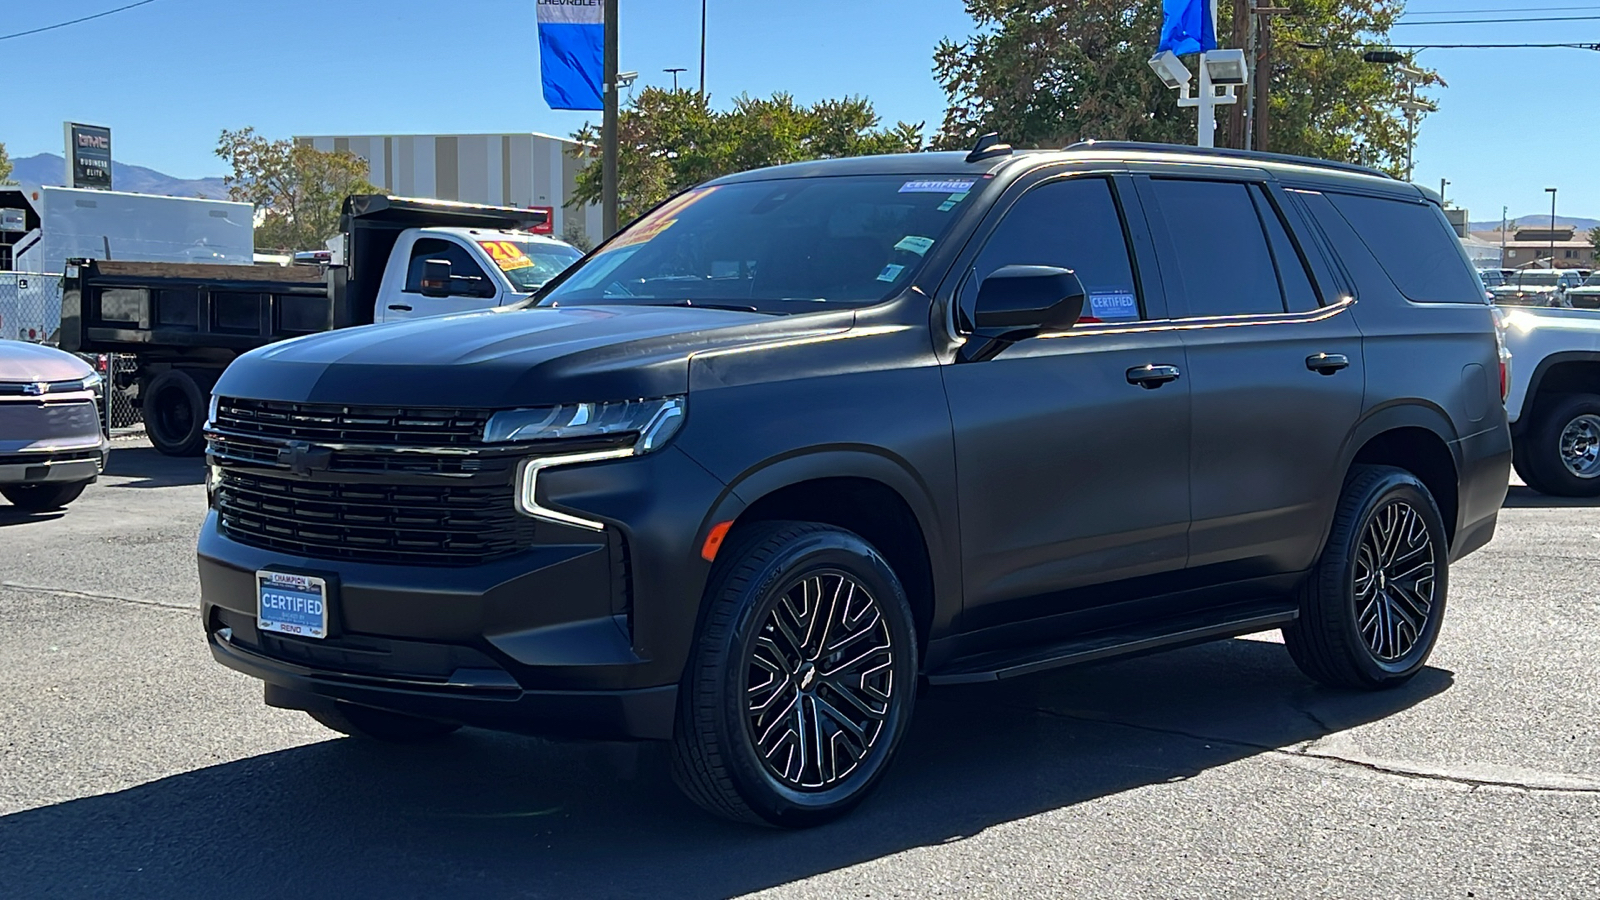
(675, 77)
(702, 51)
(1442, 184)
(608, 126)
(1552, 193)
(1218, 68)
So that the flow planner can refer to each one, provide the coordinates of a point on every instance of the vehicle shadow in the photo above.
(150, 469)
(1520, 497)
(10, 515)
(484, 814)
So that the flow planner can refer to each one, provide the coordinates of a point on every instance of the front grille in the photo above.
(51, 456)
(447, 524)
(265, 451)
(338, 424)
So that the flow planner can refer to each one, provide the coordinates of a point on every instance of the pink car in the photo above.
(51, 446)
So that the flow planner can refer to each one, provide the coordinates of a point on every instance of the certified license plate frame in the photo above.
(292, 611)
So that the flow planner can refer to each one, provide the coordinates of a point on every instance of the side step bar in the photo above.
(1165, 634)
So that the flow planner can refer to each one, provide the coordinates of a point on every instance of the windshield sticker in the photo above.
(890, 272)
(914, 244)
(952, 201)
(507, 255)
(663, 217)
(937, 187)
(1119, 304)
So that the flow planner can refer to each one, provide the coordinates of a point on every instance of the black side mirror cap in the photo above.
(436, 278)
(1019, 302)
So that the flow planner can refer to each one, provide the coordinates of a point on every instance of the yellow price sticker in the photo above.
(506, 255)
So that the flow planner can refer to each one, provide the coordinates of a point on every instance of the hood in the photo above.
(24, 362)
(508, 357)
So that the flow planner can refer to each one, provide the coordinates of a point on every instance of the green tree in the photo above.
(1594, 240)
(297, 189)
(1050, 72)
(671, 140)
(5, 166)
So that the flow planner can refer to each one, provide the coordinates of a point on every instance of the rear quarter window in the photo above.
(1415, 246)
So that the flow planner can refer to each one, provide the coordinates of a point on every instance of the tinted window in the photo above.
(779, 245)
(1221, 248)
(1415, 246)
(462, 266)
(1072, 224)
(1298, 293)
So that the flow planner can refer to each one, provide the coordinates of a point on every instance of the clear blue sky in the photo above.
(168, 76)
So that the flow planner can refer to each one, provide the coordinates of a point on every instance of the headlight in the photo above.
(92, 381)
(653, 421)
(211, 411)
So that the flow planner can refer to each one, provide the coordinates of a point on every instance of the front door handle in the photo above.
(1153, 376)
(1327, 363)
(400, 306)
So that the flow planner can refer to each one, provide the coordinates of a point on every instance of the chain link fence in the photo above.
(30, 310)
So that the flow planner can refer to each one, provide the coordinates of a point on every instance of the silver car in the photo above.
(51, 445)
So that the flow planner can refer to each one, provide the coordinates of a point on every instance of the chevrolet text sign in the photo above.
(88, 156)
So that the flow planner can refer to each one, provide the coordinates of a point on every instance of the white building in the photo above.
(498, 169)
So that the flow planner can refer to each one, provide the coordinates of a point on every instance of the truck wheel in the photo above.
(42, 497)
(175, 414)
(1560, 455)
(1371, 609)
(802, 681)
(380, 724)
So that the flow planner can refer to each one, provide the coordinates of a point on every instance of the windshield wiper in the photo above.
(701, 304)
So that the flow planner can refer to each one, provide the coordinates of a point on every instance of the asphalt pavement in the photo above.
(131, 765)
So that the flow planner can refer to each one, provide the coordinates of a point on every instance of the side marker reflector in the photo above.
(708, 551)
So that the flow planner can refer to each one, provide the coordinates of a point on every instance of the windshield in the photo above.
(1592, 280)
(773, 245)
(1538, 279)
(529, 264)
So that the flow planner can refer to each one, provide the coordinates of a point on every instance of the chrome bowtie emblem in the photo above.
(34, 390)
(808, 676)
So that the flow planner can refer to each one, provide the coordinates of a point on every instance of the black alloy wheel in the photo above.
(802, 679)
(1372, 607)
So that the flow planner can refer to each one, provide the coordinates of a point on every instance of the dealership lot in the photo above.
(132, 766)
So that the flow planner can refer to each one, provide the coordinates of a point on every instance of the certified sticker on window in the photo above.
(506, 254)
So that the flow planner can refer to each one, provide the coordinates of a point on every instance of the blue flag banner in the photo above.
(572, 41)
(1186, 26)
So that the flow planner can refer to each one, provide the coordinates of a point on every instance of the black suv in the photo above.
(803, 439)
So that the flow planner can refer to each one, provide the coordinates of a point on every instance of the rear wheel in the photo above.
(380, 724)
(42, 497)
(1371, 609)
(175, 413)
(1560, 452)
(802, 681)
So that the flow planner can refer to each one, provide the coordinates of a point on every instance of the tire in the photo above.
(381, 725)
(175, 414)
(759, 594)
(42, 497)
(1560, 452)
(1339, 639)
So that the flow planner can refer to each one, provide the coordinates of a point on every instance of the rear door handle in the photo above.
(1327, 363)
(400, 306)
(1153, 376)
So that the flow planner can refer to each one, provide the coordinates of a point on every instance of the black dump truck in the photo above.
(404, 258)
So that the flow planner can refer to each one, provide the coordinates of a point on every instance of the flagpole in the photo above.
(608, 128)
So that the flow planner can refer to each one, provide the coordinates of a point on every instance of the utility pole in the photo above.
(1261, 96)
(1238, 117)
(1442, 184)
(1503, 211)
(608, 128)
(1552, 193)
(702, 51)
(675, 77)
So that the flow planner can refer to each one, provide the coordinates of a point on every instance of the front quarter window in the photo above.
(775, 245)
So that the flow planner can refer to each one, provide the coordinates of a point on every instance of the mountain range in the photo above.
(1537, 221)
(50, 169)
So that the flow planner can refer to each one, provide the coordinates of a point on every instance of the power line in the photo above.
(1492, 46)
(1500, 9)
(1500, 21)
(98, 15)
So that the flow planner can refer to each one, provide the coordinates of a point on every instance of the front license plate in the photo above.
(292, 604)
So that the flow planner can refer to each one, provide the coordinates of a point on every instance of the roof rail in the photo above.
(1244, 155)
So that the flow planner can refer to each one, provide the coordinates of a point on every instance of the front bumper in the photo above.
(51, 442)
(583, 634)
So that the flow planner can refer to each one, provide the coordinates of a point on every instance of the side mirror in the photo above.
(1019, 302)
(436, 278)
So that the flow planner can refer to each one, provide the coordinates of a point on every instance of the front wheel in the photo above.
(1559, 454)
(42, 497)
(802, 681)
(1371, 609)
